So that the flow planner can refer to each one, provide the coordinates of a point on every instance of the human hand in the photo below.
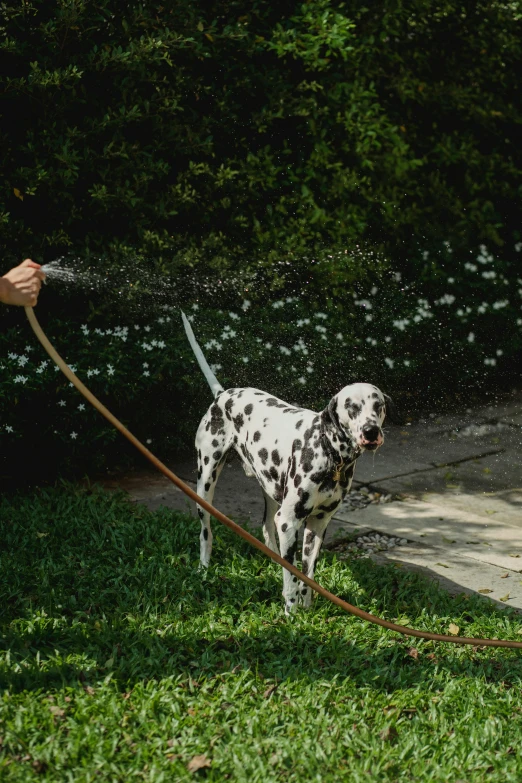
(21, 285)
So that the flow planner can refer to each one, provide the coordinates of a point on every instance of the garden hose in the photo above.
(236, 528)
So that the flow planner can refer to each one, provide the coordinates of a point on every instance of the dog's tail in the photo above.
(212, 381)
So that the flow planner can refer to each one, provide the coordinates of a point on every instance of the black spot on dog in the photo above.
(215, 442)
(276, 459)
(330, 506)
(298, 425)
(301, 510)
(319, 516)
(205, 534)
(274, 473)
(207, 486)
(309, 537)
(296, 445)
(217, 421)
(293, 467)
(217, 455)
(297, 480)
(257, 436)
(272, 402)
(249, 408)
(284, 527)
(306, 551)
(263, 455)
(238, 421)
(267, 475)
(289, 555)
(200, 513)
(352, 408)
(307, 455)
(304, 591)
(206, 460)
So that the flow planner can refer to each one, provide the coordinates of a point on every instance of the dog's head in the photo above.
(359, 410)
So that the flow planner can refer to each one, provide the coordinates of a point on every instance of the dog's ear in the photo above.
(391, 411)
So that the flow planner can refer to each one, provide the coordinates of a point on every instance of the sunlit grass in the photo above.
(119, 660)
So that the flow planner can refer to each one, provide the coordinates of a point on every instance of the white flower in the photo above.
(389, 362)
(518, 247)
(148, 347)
(368, 317)
(339, 336)
(319, 328)
(490, 275)
(21, 379)
(364, 303)
(215, 367)
(490, 362)
(407, 362)
(519, 321)
(149, 440)
(482, 308)
(162, 344)
(401, 324)
(470, 267)
(451, 279)
(446, 299)
(278, 305)
(322, 315)
(245, 359)
(302, 380)
(72, 367)
(110, 369)
(499, 352)
(359, 358)
(74, 435)
(195, 306)
(387, 339)
(284, 350)
(161, 320)
(496, 305)
(268, 346)
(397, 277)
(146, 373)
(471, 337)
(8, 428)
(81, 407)
(374, 290)
(246, 304)
(13, 355)
(136, 326)
(425, 255)
(62, 403)
(234, 316)
(22, 360)
(145, 364)
(147, 328)
(28, 348)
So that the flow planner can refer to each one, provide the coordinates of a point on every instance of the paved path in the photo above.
(457, 488)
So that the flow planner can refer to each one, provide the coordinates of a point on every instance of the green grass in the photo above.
(119, 661)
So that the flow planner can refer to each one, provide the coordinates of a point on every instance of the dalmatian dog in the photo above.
(304, 461)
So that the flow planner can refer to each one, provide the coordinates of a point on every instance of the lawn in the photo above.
(119, 661)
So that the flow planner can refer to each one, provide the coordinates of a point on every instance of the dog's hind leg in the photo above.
(269, 531)
(209, 468)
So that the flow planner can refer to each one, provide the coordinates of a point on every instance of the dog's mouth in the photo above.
(371, 445)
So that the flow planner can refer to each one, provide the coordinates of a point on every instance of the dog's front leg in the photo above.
(288, 530)
(312, 541)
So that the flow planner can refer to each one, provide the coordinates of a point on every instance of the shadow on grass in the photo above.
(91, 586)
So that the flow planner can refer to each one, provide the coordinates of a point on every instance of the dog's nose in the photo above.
(370, 432)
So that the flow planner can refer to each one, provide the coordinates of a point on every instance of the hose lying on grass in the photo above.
(436, 637)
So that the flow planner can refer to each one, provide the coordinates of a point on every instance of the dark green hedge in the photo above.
(235, 131)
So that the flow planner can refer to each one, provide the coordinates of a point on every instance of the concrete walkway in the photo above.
(456, 483)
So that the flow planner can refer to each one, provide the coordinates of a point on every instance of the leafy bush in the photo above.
(229, 131)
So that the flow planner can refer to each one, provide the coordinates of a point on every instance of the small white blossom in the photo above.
(110, 369)
(302, 380)
(62, 403)
(278, 305)
(321, 315)
(451, 280)
(215, 367)
(233, 316)
(470, 267)
(389, 362)
(146, 373)
(74, 435)
(471, 337)
(81, 407)
(246, 304)
(401, 323)
(490, 362)
(407, 362)
(21, 379)
(245, 359)
(147, 328)
(499, 352)
(149, 440)
(368, 317)
(22, 360)
(268, 346)
(489, 275)
(319, 328)
(145, 364)
(8, 428)
(284, 350)
(518, 247)
(195, 306)
(339, 336)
